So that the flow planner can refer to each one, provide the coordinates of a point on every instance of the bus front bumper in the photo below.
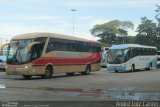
(120, 68)
(23, 70)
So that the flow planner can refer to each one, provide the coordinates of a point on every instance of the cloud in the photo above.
(10, 30)
(99, 21)
(29, 17)
(60, 25)
(112, 3)
(91, 21)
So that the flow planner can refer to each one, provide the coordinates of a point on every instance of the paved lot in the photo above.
(99, 86)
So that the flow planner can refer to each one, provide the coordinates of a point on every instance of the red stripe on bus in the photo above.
(66, 64)
(66, 61)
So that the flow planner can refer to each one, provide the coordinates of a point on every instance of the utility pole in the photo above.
(73, 10)
(1, 47)
(1, 42)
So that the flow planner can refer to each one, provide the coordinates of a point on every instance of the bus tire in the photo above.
(158, 66)
(27, 76)
(116, 71)
(48, 72)
(132, 68)
(87, 70)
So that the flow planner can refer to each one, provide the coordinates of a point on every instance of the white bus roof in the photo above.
(124, 46)
(54, 35)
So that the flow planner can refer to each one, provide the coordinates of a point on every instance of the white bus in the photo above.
(129, 57)
(158, 59)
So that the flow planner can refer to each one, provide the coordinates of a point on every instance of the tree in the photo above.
(158, 28)
(112, 31)
(158, 14)
(147, 32)
(131, 39)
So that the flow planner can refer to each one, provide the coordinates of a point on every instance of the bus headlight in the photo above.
(123, 65)
(28, 66)
(6, 67)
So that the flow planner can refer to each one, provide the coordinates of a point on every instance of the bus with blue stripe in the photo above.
(130, 57)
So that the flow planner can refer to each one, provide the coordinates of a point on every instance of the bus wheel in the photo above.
(87, 70)
(48, 72)
(116, 71)
(27, 76)
(132, 68)
(158, 66)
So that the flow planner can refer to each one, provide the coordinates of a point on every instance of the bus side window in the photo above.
(50, 45)
(133, 54)
(54, 45)
(138, 51)
(36, 51)
(150, 51)
(128, 55)
(155, 52)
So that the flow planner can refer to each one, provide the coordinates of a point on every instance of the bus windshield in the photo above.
(20, 53)
(117, 56)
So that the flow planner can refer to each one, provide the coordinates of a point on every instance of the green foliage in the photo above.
(131, 39)
(113, 31)
(147, 33)
(158, 14)
(126, 24)
(104, 45)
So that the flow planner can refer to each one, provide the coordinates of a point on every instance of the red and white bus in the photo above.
(43, 54)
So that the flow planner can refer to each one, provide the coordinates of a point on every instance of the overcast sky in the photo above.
(26, 16)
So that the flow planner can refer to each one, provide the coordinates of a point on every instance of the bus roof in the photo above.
(53, 35)
(124, 46)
